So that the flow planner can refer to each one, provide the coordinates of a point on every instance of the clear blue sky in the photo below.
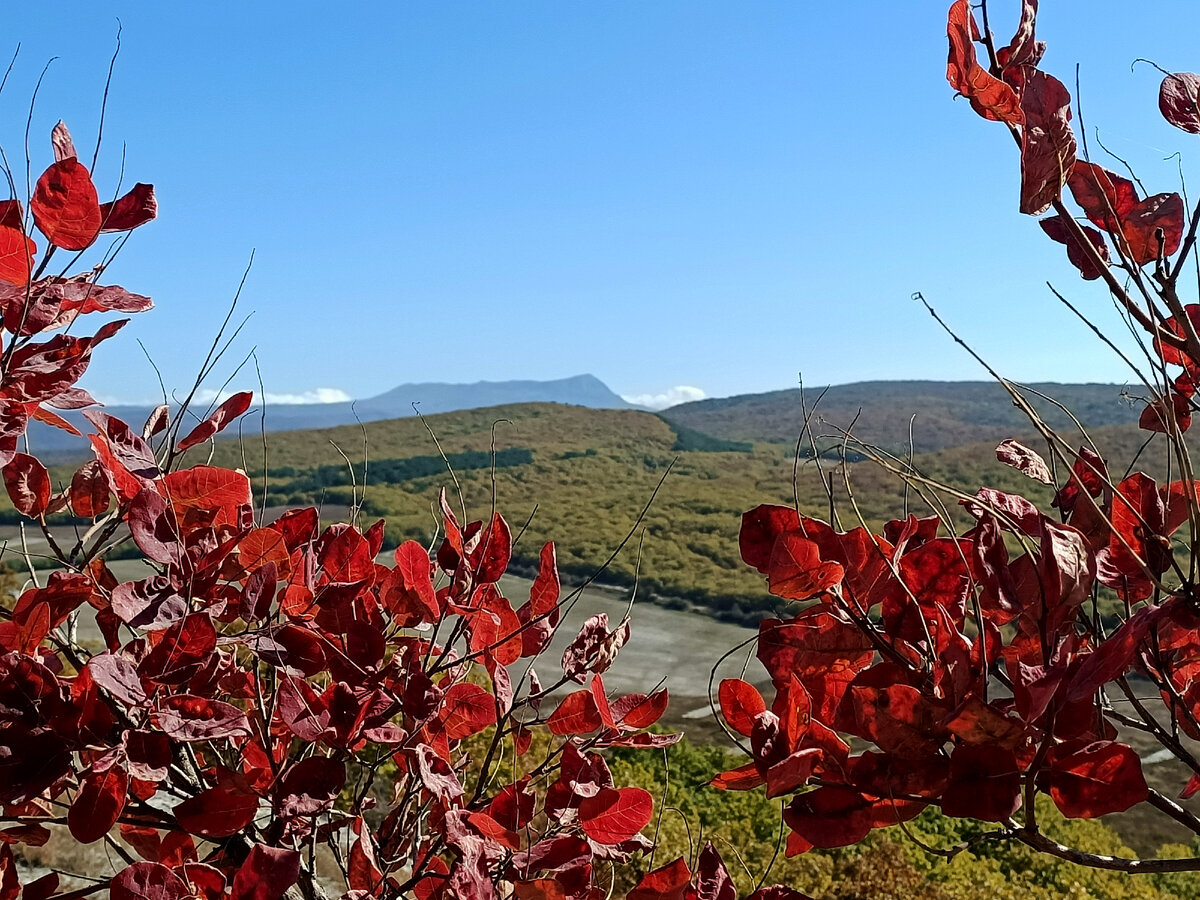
(713, 194)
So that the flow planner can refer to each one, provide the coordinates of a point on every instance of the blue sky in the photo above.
(717, 195)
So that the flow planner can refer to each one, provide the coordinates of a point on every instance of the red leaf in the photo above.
(118, 676)
(540, 614)
(1177, 101)
(90, 496)
(830, 817)
(60, 140)
(408, 592)
(136, 208)
(712, 878)
(1047, 142)
(217, 812)
(208, 488)
(796, 571)
(16, 256)
(1165, 415)
(669, 882)
(495, 549)
(1161, 212)
(221, 416)
(823, 652)
(65, 206)
(154, 529)
(761, 527)
(1057, 231)
(1087, 780)
(467, 709)
(182, 649)
(266, 873)
(147, 881)
(262, 546)
(989, 96)
(310, 786)
(743, 778)
(1020, 457)
(740, 704)
(28, 485)
(984, 783)
(595, 647)
(185, 717)
(576, 714)
(640, 711)
(99, 802)
(11, 215)
(1105, 196)
(613, 815)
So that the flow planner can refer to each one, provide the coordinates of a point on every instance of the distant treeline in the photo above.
(698, 442)
(393, 471)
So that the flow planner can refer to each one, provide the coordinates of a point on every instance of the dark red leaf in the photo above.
(713, 881)
(1087, 780)
(495, 548)
(182, 649)
(266, 873)
(185, 717)
(990, 97)
(1106, 197)
(16, 256)
(795, 570)
(28, 484)
(99, 802)
(614, 815)
(640, 711)
(984, 783)
(1080, 259)
(90, 495)
(830, 817)
(147, 881)
(1161, 213)
(740, 704)
(135, 208)
(576, 714)
(1166, 415)
(467, 709)
(669, 882)
(1047, 142)
(1179, 101)
(221, 416)
(761, 526)
(65, 206)
(218, 812)
(311, 786)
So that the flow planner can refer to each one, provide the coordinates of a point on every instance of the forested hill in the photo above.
(947, 413)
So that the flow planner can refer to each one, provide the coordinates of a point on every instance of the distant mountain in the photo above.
(947, 413)
(430, 398)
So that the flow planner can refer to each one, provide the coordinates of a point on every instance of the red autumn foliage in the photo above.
(259, 675)
(970, 669)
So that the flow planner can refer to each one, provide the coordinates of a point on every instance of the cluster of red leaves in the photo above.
(1129, 231)
(973, 675)
(710, 881)
(260, 675)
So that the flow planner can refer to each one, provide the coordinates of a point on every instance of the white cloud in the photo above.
(682, 393)
(316, 395)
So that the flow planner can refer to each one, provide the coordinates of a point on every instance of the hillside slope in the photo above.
(947, 414)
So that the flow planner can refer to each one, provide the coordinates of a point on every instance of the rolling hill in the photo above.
(429, 397)
(947, 413)
(581, 476)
